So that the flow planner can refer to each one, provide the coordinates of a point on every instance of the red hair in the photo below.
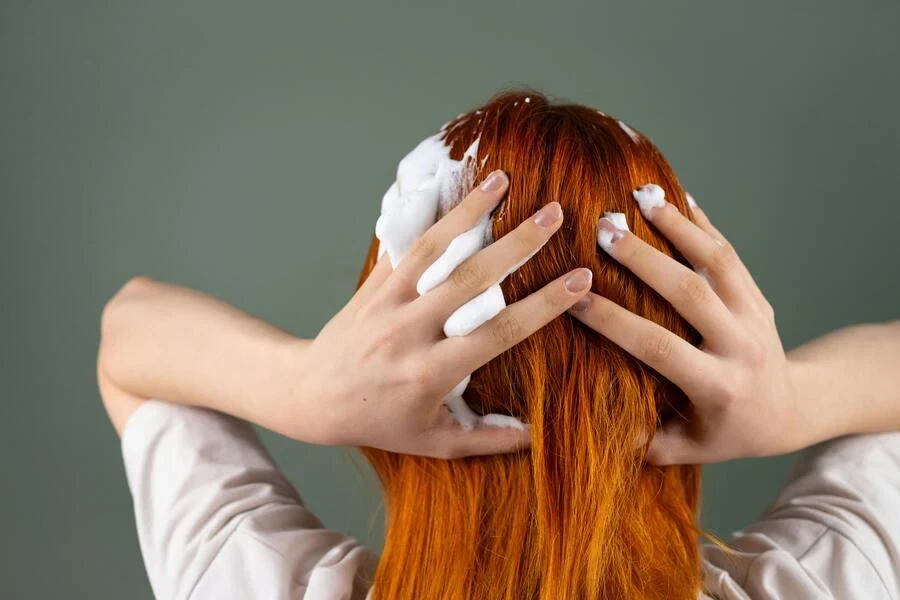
(580, 514)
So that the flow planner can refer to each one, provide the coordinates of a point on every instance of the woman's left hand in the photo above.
(738, 380)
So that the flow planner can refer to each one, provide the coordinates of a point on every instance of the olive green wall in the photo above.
(242, 149)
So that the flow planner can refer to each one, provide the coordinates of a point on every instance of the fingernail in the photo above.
(548, 215)
(579, 280)
(691, 202)
(648, 197)
(494, 182)
(581, 304)
(611, 229)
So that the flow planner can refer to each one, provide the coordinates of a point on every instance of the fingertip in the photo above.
(657, 456)
(550, 216)
(521, 440)
(496, 181)
(578, 282)
(668, 448)
(503, 437)
(610, 231)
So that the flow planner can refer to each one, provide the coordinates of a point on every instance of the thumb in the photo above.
(671, 445)
(451, 441)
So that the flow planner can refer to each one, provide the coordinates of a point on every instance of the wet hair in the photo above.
(580, 515)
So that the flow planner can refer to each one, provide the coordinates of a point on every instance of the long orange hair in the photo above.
(580, 514)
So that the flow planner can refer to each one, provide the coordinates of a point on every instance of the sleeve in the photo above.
(832, 532)
(216, 519)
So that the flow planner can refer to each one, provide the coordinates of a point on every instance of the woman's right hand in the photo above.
(382, 366)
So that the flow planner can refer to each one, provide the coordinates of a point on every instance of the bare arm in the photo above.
(377, 373)
(163, 341)
(849, 381)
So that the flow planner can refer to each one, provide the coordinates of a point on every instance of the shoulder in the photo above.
(791, 559)
(833, 531)
(276, 554)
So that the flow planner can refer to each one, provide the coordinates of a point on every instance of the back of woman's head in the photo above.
(580, 514)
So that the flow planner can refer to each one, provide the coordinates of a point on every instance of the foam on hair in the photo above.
(580, 514)
(430, 183)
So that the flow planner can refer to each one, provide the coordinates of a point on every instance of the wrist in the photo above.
(296, 415)
(820, 417)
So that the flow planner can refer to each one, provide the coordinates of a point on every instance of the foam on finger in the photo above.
(604, 237)
(427, 179)
(648, 197)
(429, 182)
(458, 251)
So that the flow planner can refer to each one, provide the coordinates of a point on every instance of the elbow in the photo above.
(114, 315)
(116, 321)
(112, 309)
(135, 285)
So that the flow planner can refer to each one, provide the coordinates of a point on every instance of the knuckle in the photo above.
(525, 244)
(522, 242)
(453, 450)
(472, 207)
(755, 353)
(627, 251)
(506, 331)
(726, 395)
(769, 311)
(554, 300)
(441, 445)
(722, 258)
(602, 313)
(421, 376)
(364, 312)
(470, 276)
(681, 226)
(449, 452)
(656, 348)
(424, 248)
(694, 288)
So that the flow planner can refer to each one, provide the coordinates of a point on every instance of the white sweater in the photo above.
(216, 519)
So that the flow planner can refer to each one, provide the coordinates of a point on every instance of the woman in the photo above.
(603, 504)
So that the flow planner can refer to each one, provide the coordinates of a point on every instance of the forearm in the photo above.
(167, 342)
(849, 381)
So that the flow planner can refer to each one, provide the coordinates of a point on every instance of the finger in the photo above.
(492, 264)
(704, 223)
(712, 257)
(669, 355)
(514, 323)
(450, 441)
(462, 218)
(671, 445)
(376, 278)
(688, 292)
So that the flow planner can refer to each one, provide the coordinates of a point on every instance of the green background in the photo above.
(243, 148)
